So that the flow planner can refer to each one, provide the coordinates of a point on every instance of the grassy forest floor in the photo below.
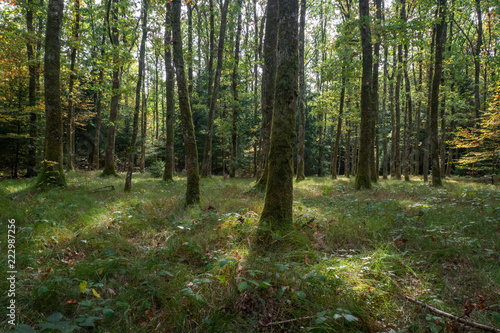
(139, 262)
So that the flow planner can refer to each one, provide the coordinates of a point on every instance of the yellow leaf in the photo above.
(96, 294)
(83, 286)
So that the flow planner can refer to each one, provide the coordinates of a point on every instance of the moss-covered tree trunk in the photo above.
(168, 174)
(436, 81)
(137, 109)
(302, 95)
(193, 177)
(109, 159)
(236, 102)
(206, 165)
(277, 212)
(363, 169)
(32, 70)
(70, 163)
(268, 88)
(52, 173)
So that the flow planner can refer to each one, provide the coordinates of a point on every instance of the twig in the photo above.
(105, 188)
(285, 321)
(449, 315)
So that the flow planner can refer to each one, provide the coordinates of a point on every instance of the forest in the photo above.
(250, 165)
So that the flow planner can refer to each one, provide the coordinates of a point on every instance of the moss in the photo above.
(52, 175)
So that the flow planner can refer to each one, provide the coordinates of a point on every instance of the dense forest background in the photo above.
(224, 55)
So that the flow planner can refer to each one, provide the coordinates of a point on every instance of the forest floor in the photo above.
(90, 258)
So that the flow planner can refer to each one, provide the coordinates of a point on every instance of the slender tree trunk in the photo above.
(393, 113)
(193, 178)
(32, 70)
(375, 98)
(109, 160)
(384, 115)
(236, 102)
(397, 116)
(52, 173)
(436, 80)
(168, 174)
(190, 47)
(71, 111)
(98, 108)
(363, 169)
(347, 163)
(339, 127)
(477, 60)
(277, 212)
(302, 96)
(268, 88)
(409, 110)
(427, 142)
(255, 82)
(442, 139)
(157, 116)
(416, 146)
(206, 167)
(144, 123)
(135, 130)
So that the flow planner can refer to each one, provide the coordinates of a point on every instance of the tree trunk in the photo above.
(268, 88)
(375, 98)
(206, 166)
(109, 160)
(427, 142)
(277, 213)
(168, 174)
(397, 116)
(52, 173)
(193, 177)
(98, 108)
(135, 130)
(393, 116)
(32, 70)
(436, 80)
(477, 60)
(236, 102)
(409, 110)
(144, 123)
(347, 163)
(363, 169)
(384, 115)
(302, 96)
(335, 151)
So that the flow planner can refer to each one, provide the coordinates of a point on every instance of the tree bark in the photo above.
(277, 213)
(193, 177)
(477, 60)
(339, 127)
(52, 173)
(206, 166)
(427, 142)
(168, 174)
(302, 95)
(135, 130)
(268, 88)
(363, 169)
(375, 96)
(384, 115)
(32, 70)
(436, 80)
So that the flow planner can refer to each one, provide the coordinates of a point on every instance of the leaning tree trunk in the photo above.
(193, 177)
(52, 173)
(135, 130)
(109, 159)
(363, 169)
(206, 165)
(436, 80)
(236, 102)
(302, 95)
(268, 88)
(71, 108)
(168, 174)
(277, 212)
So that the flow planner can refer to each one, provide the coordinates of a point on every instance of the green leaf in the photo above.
(281, 292)
(24, 329)
(55, 317)
(243, 285)
(108, 313)
(350, 318)
(83, 286)
(320, 320)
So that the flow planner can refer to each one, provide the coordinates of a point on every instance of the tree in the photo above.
(135, 130)
(302, 94)
(277, 211)
(169, 83)
(52, 173)
(436, 81)
(32, 68)
(193, 177)
(363, 174)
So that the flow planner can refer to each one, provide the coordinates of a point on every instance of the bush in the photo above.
(157, 169)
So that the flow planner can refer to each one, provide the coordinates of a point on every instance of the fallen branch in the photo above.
(105, 188)
(285, 321)
(450, 316)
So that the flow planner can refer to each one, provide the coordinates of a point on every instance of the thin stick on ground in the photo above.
(449, 315)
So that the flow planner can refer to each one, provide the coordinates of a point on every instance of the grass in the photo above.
(109, 261)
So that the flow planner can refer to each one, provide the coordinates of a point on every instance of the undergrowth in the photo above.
(90, 258)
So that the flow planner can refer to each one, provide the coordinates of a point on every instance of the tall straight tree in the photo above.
(302, 95)
(52, 173)
(436, 81)
(168, 174)
(363, 173)
(277, 211)
(30, 48)
(193, 177)
(109, 160)
(206, 165)
(375, 97)
(268, 88)
(236, 102)
(135, 129)
(71, 107)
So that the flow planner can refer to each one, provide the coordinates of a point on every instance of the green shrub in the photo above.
(157, 169)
